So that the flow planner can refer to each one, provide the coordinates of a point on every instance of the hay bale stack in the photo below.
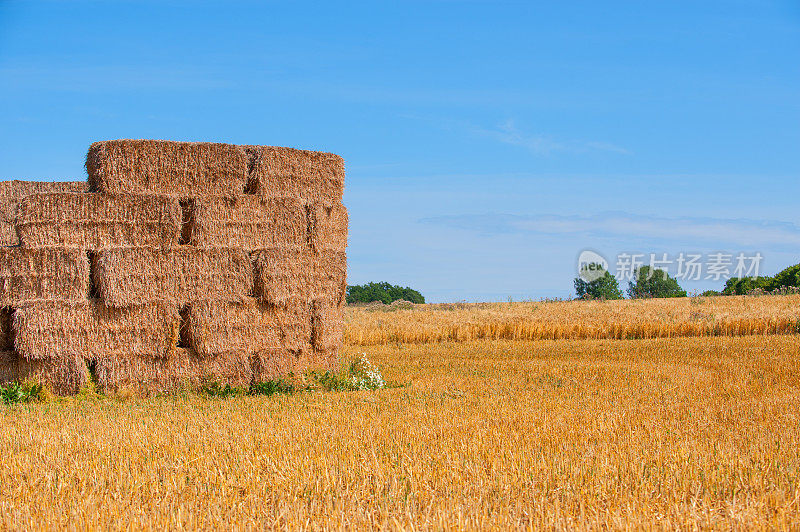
(137, 276)
(96, 221)
(90, 329)
(12, 192)
(186, 262)
(42, 274)
(184, 169)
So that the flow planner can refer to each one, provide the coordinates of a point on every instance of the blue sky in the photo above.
(487, 143)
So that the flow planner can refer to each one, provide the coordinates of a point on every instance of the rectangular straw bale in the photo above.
(327, 326)
(134, 276)
(273, 364)
(249, 222)
(282, 274)
(12, 192)
(183, 370)
(314, 177)
(95, 221)
(46, 330)
(328, 224)
(219, 327)
(63, 376)
(182, 169)
(330, 277)
(36, 274)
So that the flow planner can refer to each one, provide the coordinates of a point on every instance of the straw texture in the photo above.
(314, 177)
(183, 169)
(276, 363)
(95, 221)
(37, 274)
(282, 274)
(220, 328)
(328, 227)
(181, 371)
(327, 329)
(91, 330)
(62, 376)
(12, 192)
(134, 276)
(249, 222)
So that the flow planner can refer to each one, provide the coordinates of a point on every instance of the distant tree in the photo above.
(738, 286)
(603, 287)
(383, 292)
(788, 277)
(650, 282)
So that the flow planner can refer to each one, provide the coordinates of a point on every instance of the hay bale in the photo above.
(181, 371)
(327, 326)
(273, 364)
(12, 192)
(219, 327)
(328, 227)
(330, 277)
(135, 276)
(42, 274)
(49, 330)
(282, 274)
(249, 222)
(95, 221)
(63, 376)
(314, 177)
(182, 169)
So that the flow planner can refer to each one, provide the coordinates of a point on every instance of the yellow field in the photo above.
(637, 318)
(667, 433)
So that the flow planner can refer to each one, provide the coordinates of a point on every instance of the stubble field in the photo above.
(675, 432)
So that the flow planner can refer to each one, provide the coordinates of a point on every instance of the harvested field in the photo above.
(135, 276)
(638, 318)
(672, 433)
(182, 169)
(37, 274)
(94, 221)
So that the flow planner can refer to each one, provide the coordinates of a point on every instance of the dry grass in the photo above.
(642, 318)
(668, 433)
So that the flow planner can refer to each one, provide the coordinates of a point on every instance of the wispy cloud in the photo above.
(689, 231)
(508, 133)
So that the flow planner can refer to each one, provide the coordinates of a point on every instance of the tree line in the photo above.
(650, 283)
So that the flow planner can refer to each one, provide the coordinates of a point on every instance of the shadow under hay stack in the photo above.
(178, 263)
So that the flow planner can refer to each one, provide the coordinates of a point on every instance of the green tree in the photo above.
(788, 277)
(738, 286)
(383, 292)
(603, 287)
(649, 282)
